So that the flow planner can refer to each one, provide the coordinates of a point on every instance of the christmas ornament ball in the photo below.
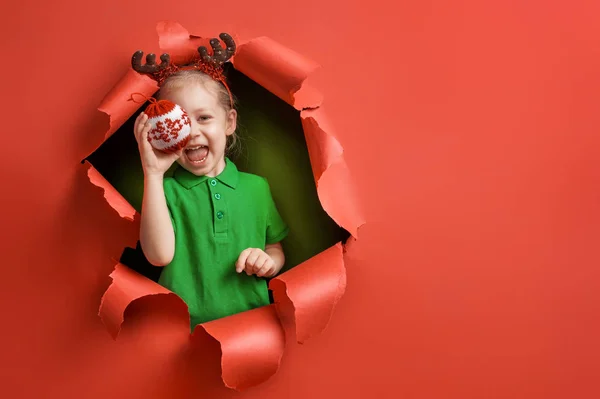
(170, 126)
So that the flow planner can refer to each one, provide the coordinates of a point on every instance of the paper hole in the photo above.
(272, 146)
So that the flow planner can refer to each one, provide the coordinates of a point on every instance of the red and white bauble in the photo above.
(170, 126)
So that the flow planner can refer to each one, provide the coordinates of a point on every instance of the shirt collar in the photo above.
(229, 176)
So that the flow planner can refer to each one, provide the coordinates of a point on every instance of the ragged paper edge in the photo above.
(275, 67)
(119, 107)
(117, 104)
(280, 70)
(307, 294)
(111, 195)
(284, 72)
(127, 287)
(181, 46)
(252, 345)
(288, 71)
(331, 174)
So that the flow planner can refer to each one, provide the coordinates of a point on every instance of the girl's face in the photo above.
(211, 124)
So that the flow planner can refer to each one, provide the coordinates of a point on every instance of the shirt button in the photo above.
(220, 215)
(213, 182)
(218, 196)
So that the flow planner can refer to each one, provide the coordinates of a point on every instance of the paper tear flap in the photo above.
(252, 345)
(334, 183)
(313, 288)
(127, 286)
(112, 196)
(252, 342)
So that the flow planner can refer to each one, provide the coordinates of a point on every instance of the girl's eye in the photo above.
(203, 118)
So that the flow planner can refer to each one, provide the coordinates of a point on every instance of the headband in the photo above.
(212, 65)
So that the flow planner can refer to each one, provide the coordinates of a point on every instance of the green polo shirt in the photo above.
(215, 219)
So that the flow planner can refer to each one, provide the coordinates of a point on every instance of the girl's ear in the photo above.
(231, 122)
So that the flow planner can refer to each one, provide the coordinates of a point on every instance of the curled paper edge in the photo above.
(117, 104)
(332, 177)
(306, 296)
(111, 195)
(127, 287)
(182, 46)
(252, 345)
(280, 70)
(288, 71)
(275, 67)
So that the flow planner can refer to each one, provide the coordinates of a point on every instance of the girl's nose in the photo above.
(195, 131)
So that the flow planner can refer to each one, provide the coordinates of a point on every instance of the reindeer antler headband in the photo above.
(211, 65)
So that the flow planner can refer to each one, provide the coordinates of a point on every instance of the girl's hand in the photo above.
(256, 261)
(154, 162)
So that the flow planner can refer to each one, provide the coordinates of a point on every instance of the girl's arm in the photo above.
(275, 251)
(156, 230)
(157, 237)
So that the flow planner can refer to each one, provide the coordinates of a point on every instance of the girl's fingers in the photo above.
(176, 155)
(146, 129)
(255, 261)
(240, 264)
(261, 271)
(139, 125)
(144, 135)
(251, 262)
(262, 265)
(264, 269)
(143, 122)
(270, 272)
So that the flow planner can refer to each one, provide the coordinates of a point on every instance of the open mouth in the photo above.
(197, 154)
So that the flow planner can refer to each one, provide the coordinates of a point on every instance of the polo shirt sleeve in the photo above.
(277, 229)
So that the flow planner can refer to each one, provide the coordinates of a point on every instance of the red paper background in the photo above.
(471, 130)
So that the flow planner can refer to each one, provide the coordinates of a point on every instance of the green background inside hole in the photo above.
(272, 145)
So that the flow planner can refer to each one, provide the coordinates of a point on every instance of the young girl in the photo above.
(209, 222)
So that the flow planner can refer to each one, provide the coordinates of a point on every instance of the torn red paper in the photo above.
(112, 196)
(117, 103)
(273, 66)
(181, 46)
(307, 294)
(252, 345)
(334, 184)
(251, 342)
(127, 287)
(278, 69)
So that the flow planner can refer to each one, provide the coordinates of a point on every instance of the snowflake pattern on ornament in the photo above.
(170, 133)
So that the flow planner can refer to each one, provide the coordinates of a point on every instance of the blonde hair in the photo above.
(186, 77)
